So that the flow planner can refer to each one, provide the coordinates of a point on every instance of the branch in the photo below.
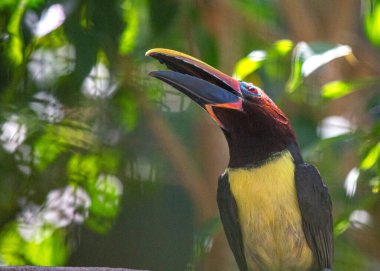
(62, 268)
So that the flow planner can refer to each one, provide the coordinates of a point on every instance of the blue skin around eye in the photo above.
(244, 87)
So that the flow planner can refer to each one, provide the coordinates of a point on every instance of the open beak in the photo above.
(204, 84)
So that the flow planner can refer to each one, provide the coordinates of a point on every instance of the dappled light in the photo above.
(24, 159)
(98, 84)
(13, 133)
(360, 219)
(102, 165)
(47, 65)
(47, 107)
(62, 208)
(315, 60)
(351, 182)
(142, 170)
(333, 126)
(51, 19)
(109, 185)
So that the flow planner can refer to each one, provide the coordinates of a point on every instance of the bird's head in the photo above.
(255, 128)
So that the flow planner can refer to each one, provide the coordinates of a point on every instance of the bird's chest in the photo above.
(269, 216)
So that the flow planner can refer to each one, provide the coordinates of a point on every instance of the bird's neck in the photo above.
(257, 149)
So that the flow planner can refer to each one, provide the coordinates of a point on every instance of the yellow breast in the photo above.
(270, 217)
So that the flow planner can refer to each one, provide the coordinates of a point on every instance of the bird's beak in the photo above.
(204, 84)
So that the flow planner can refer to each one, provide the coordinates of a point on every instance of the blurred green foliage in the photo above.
(77, 149)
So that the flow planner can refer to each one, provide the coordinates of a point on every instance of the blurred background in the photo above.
(101, 165)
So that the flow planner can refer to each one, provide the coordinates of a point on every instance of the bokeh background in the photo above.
(101, 165)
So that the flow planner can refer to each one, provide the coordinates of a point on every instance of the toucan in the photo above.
(275, 208)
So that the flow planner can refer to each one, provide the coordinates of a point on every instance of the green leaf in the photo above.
(283, 47)
(372, 24)
(11, 246)
(256, 59)
(105, 190)
(247, 65)
(16, 45)
(84, 169)
(341, 227)
(59, 138)
(105, 194)
(295, 79)
(128, 38)
(46, 150)
(50, 252)
(7, 4)
(309, 57)
(15, 250)
(338, 89)
(371, 157)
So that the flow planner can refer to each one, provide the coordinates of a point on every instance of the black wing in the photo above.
(315, 205)
(230, 219)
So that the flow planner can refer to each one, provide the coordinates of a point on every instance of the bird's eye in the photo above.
(254, 91)
(249, 88)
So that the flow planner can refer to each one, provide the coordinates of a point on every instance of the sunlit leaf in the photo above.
(14, 250)
(57, 139)
(128, 38)
(46, 150)
(341, 227)
(283, 47)
(86, 168)
(246, 66)
(372, 24)
(105, 195)
(371, 157)
(15, 43)
(83, 168)
(11, 246)
(256, 59)
(105, 190)
(50, 252)
(295, 79)
(338, 89)
(76, 136)
(309, 57)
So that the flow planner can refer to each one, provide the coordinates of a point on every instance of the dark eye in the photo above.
(250, 89)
